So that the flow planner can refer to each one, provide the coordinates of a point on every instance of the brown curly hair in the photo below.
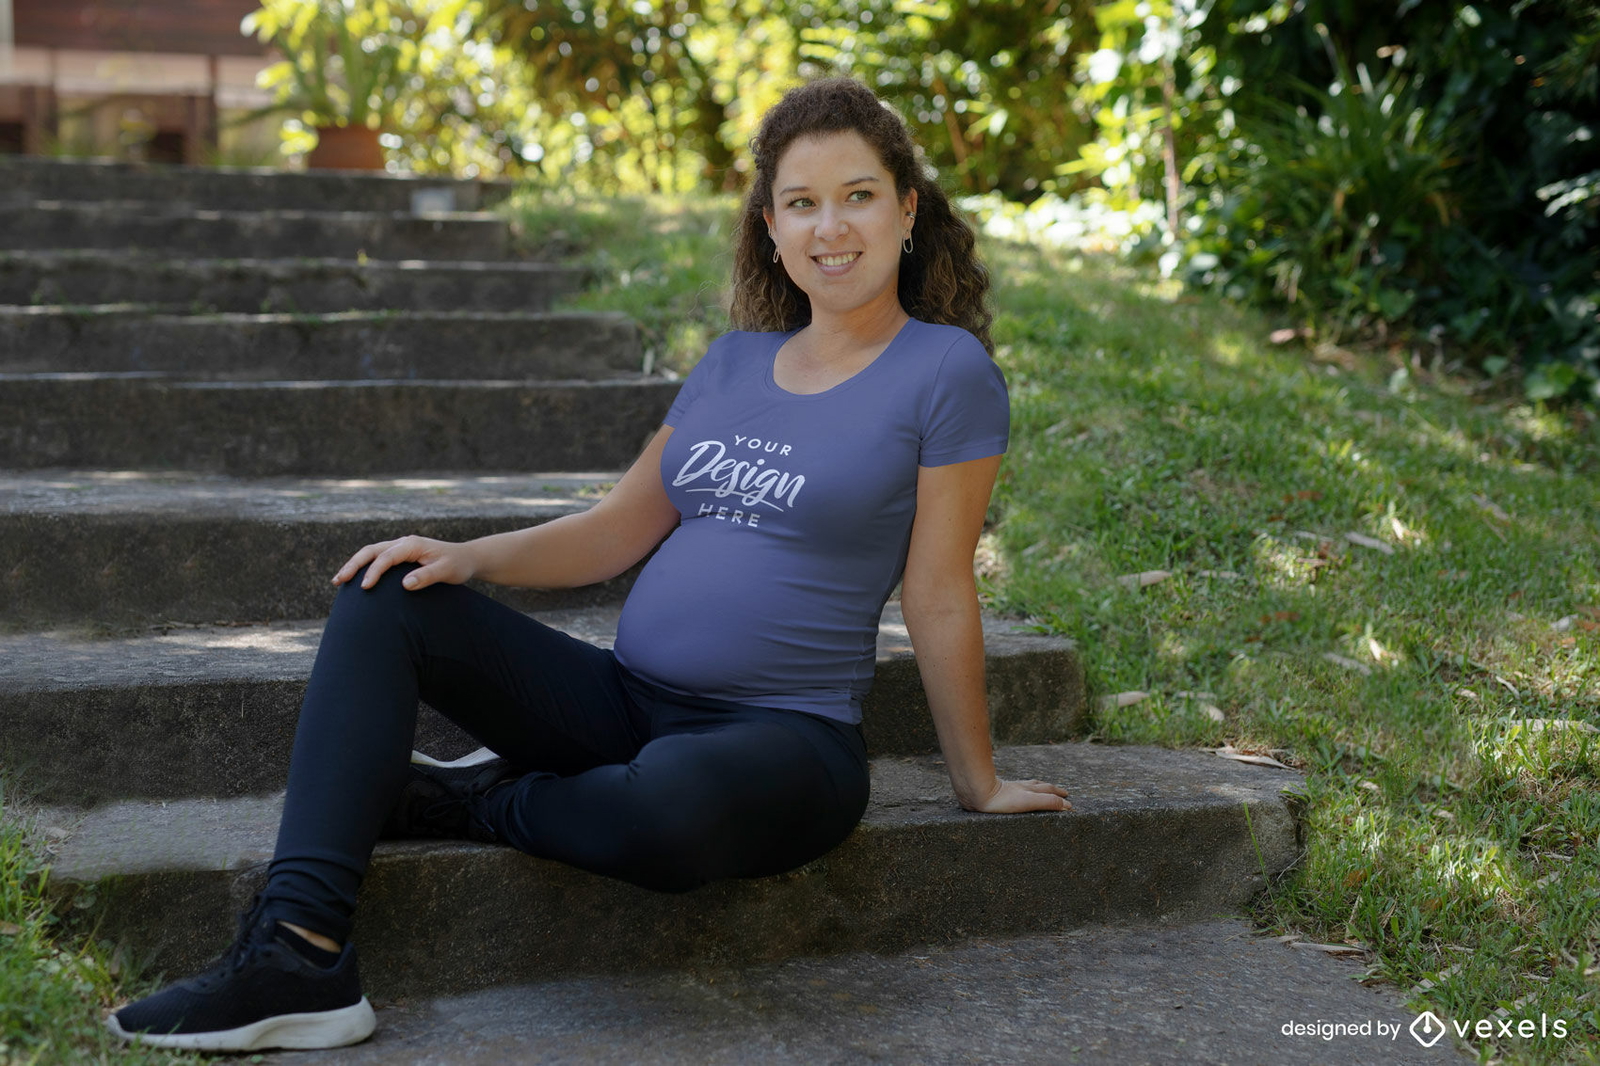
(941, 280)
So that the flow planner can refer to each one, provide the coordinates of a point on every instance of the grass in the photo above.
(1441, 695)
(54, 988)
(662, 260)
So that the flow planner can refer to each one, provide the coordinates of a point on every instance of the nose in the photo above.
(831, 224)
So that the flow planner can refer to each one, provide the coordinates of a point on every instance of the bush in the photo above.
(1453, 196)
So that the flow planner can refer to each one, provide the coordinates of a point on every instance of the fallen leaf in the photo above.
(1143, 578)
(1226, 575)
(1486, 504)
(1123, 699)
(1354, 878)
(1214, 712)
(1372, 786)
(1281, 616)
(1539, 725)
(1331, 949)
(1436, 978)
(1348, 664)
(1255, 760)
(1283, 336)
(1561, 625)
(1185, 694)
(1369, 542)
(9, 928)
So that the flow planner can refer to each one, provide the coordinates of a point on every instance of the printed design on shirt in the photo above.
(742, 472)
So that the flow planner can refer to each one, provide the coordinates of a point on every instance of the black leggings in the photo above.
(624, 778)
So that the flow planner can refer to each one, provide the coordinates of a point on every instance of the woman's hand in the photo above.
(1016, 797)
(441, 560)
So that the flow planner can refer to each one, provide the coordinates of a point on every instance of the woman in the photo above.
(849, 434)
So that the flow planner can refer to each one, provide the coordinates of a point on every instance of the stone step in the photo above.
(1215, 992)
(321, 428)
(129, 225)
(210, 711)
(293, 285)
(24, 179)
(132, 548)
(344, 345)
(1156, 834)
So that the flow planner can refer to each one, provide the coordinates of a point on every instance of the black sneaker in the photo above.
(261, 994)
(439, 798)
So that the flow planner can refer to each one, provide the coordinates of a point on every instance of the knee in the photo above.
(674, 846)
(386, 595)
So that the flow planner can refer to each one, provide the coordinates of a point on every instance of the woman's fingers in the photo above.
(441, 561)
(404, 550)
(358, 560)
(1016, 797)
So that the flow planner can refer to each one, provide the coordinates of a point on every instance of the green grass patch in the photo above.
(1441, 695)
(664, 260)
(1377, 574)
(55, 988)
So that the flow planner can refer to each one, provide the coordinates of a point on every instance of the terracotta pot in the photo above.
(346, 148)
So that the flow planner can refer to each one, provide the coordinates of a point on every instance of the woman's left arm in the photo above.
(940, 600)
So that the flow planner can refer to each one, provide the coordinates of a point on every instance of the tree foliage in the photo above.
(1422, 166)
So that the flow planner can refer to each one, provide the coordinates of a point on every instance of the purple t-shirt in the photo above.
(796, 515)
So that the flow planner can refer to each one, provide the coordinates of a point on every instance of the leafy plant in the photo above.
(1342, 205)
(345, 62)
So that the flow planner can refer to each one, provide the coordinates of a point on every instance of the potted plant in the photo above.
(345, 64)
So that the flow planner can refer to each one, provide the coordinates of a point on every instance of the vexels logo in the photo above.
(1427, 1029)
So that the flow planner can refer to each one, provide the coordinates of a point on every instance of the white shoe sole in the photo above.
(482, 755)
(321, 1029)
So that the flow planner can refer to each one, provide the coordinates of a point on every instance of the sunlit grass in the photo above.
(1444, 834)
(662, 259)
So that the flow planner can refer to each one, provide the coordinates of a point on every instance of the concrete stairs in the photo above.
(191, 443)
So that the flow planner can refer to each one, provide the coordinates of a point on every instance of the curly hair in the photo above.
(941, 280)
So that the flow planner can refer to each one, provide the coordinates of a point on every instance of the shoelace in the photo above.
(238, 956)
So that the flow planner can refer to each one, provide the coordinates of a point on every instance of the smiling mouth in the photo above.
(838, 260)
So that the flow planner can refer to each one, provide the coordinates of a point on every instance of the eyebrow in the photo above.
(805, 188)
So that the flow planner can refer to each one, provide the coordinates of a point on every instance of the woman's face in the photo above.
(837, 222)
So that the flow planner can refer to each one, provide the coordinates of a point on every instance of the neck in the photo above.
(872, 323)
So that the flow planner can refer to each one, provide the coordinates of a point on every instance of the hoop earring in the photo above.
(774, 253)
(907, 245)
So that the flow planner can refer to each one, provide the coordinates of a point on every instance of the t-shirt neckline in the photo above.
(771, 378)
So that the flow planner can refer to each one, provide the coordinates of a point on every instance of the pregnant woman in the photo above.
(846, 437)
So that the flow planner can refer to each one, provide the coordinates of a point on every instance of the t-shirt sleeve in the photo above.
(969, 412)
(692, 385)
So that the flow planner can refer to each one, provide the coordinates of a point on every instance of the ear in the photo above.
(910, 202)
(766, 213)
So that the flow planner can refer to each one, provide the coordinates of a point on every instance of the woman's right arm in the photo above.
(573, 550)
